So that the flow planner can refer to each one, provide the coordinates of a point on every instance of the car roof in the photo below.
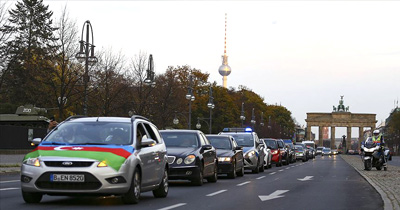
(100, 119)
(180, 131)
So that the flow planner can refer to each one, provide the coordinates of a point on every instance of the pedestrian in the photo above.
(52, 124)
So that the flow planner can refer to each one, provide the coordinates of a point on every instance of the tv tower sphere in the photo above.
(224, 70)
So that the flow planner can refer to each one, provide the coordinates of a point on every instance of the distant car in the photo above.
(272, 144)
(230, 155)
(190, 156)
(98, 156)
(284, 152)
(253, 149)
(300, 153)
(326, 151)
(268, 156)
(334, 152)
(306, 150)
(319, 150)
(291, 149)
(311, 152)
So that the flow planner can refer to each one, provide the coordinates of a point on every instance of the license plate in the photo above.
(67, 178)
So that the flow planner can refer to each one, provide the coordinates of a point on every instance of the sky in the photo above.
(303, 55)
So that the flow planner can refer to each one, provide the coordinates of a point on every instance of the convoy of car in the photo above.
(127, 156)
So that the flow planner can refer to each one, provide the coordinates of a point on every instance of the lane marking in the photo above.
(307, 178)
(173, 206)
(287, 168)
(281, 170)
(272, 173)
(4, 189)
(276, 194)
(10, 181)
(216, 193)
(261, 177)
(241, 184)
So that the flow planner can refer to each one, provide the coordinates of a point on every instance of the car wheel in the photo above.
(286, 161)
(214, 177)
(133, 195)
(32, 197)
(304, 159)
(241, 172)
(232, 174)
(199, 180)
(162, 190)
(257, 169)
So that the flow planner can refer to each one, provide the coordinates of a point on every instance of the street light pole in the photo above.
(242, 117)
(190, 97)
(83, 56)
(211, 106)
(253, 120)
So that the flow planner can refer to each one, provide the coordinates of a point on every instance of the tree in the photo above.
(393, 130)
(29, 51)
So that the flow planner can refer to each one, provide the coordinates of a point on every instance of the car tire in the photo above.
(162, 190)
(32, 197)
(214, 177)
(304, 159)
(133, 195)
(232, 174)
(286, 161)
(257, 169)
(199, 180)
(241, 172)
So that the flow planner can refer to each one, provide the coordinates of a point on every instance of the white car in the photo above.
(267, 157)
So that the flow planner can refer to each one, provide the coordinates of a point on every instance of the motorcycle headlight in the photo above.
(224, 159)
(32, 162)
(189, 159)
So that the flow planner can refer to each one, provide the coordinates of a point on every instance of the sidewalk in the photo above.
(387, 183)
(10, 163)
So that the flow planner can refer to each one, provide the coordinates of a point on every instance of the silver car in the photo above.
(97, 155)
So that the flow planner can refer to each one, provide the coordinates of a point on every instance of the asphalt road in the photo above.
(323, 183)
(395, 161)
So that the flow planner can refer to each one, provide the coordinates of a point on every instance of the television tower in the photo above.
(224, 69)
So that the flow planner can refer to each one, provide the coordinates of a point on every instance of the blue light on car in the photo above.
(248, 130)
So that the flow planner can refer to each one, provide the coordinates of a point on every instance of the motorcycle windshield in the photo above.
(369, 143)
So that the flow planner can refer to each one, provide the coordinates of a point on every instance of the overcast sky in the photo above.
(303, 55)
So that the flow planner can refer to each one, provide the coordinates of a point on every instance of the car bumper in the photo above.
(95, 180)
(275, 158)
(183, 172)
(225, 168)
(251, 163)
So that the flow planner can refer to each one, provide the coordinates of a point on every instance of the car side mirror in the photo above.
(147, 143)
(238, 148)
(205, 147)
(35, 141)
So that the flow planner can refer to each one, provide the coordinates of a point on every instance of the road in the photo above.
(323, 183)
(395, 161)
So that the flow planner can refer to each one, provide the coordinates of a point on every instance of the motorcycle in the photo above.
(371, 155)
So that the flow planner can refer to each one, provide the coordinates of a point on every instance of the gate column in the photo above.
(320, 136)
(333, 137)
(348, 140)
(360, 136)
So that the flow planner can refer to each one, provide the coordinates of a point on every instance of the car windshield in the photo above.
(176, 139)
(280, 144)
(271, 143)
(326, 150)
(220, 142)
(244, 140)
(320, 148)
(91, 133)
(299, 148)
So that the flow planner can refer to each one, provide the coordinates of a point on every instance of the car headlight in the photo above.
(32, 162)
(275, 152)
(224, 159)
(250, 154)
(102, 164)
(189, 159)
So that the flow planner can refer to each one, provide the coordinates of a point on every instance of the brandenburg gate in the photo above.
(340, 117)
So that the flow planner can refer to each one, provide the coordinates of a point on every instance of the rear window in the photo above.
(175, 139)
(220, 142)
(244, 140)
(271, 143)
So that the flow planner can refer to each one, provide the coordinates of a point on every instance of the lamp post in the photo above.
(198, 125)
(253, 118)
(242, 117)
(211, 106)
(262, 119)
(190, 97)
(85, 47)
(150, 72)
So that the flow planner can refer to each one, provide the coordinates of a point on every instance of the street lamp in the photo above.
(211, 106)
(190, 97)
(150, 72)
(85, 47)
(198, 125)
(253, 118)
(242, 117)
(262, 119)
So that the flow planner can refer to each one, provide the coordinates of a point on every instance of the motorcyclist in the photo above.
(378, 138)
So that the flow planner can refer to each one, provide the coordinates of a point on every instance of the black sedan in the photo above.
(230, 155)
(190, 156)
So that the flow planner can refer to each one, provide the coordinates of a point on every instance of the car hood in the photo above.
(224, 153)
(113, 155)
(181, 152)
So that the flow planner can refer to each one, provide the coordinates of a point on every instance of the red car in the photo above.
(272, 144)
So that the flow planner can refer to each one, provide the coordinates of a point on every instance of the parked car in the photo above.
(230, 155)
(300, 153)
(306, 150)
(311, 152)
(190, 156)
(268, 156)
(253, 149)
(326, 151)
(334, 152)
(319, 150)
(284, 151)
(292, 152)
(97, 155)
(272, 144)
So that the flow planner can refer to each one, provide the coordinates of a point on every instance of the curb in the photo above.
(387, 203)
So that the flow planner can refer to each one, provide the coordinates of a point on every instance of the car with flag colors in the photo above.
(97, 156)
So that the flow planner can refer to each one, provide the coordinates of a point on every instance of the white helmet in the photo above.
(376, 131)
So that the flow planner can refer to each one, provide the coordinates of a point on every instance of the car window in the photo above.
(156, 133)
(204, 139)
(140, 132)
(280, 144)
(220, 142)
(151, 133)
(244, 140)
(176, 139)
(234, 142)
